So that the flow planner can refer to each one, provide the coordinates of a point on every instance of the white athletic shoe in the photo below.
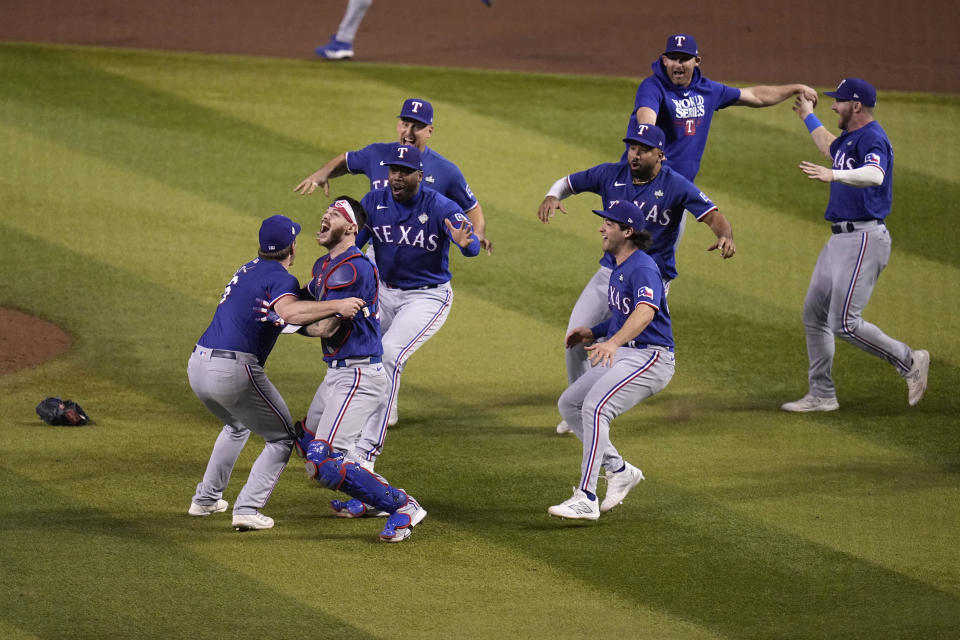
(251, 522)
(400, 524)
(809, 403)
(394, 417)
(578, 507)
(563, 427)
(619, 485)
(917, 376)
(206, 509)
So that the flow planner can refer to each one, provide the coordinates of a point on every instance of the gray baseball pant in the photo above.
(840, 287)
(591, 403)
(239, 394)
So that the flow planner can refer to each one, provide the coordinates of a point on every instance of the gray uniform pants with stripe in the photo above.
(591, 403)
(344, 401)
(239, 394)
(408, 319)
(842, 282)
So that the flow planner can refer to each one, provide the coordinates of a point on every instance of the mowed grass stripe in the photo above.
(727, 471)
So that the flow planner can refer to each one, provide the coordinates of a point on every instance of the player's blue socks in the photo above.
(332, 471)
(592, 496)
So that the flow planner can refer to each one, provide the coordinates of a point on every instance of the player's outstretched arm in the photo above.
(723, 230)
(479, 223)
(463, 237)
(769, 95)
(322, 176)
(821, 137)
(305, 312)
(551, 202)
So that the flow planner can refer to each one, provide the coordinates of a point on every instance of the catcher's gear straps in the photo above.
(332, 471)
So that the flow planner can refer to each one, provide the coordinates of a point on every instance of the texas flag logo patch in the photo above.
(645, 292)
(872, 158)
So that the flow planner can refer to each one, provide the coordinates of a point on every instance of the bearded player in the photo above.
(662, 194)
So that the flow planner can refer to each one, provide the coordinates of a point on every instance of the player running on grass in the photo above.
(631, 358)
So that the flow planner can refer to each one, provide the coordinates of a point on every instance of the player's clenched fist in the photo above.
(548, 208)
(348, 307)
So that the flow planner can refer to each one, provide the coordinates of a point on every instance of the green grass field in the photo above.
(133, 184)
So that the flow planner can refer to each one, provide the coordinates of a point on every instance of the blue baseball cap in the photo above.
(404, 155)
(682, 43)
(648, 134)
(624, 212)
(417, 109)
(278, 232)
(855, 89)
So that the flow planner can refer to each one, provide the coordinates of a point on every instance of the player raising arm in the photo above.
(681, 101)
(662, 195)
(861, 197)
(414, 127)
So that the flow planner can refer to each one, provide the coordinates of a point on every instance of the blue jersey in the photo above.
(235, 325)
(349, 275)
(867, 146)
(662, 200)
(410, 238)
(439, 173)
(683, 113)
(634, 282)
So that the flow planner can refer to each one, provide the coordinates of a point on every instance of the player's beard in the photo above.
(334, 237)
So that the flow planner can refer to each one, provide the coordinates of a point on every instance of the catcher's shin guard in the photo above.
(333, 472)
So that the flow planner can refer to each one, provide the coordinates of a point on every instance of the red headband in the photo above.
(345, 210)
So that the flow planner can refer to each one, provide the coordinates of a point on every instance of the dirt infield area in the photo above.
(897, 46)
(816, 42)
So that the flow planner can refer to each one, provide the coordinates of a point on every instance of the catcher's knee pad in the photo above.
(325, 465)
(372, 489)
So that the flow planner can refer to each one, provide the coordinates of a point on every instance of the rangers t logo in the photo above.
(401, 151)
(679, 40)
(416, 105)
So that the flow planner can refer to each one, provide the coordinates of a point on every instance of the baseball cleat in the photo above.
(206, 509)
(563, 427)
(917, 376)
(251, 522)
(399, 524)
(354, 508)
(335, 50)
(578, 507)
(619, 485)
(809, 403)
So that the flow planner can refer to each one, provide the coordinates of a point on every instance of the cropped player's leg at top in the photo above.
(340, 46)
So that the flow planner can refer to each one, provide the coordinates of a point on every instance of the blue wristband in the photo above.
(812, 122)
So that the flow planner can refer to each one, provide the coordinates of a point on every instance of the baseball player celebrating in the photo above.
(414, 127)
(681, 101)
(411, 229)
(662, 194)
(861, 194)
(355, 384)
(631, 358)
(226, 373)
